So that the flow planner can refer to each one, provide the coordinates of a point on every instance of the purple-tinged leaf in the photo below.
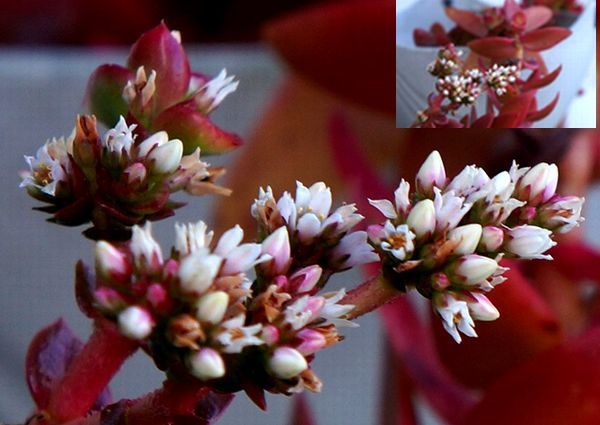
(469, 21)
(212, 406)
(495, 47)
(537, 16)
(159, 50)
(195, 130)
(544, 38)
(104, 93)
(84, 289)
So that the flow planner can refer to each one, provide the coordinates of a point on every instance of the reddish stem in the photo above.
(370, 295)
(90, 372)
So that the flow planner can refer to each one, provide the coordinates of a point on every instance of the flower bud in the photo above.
(146, 251)
(277, 245)
(241, 258)
(466, 238)
(229, 241)
(529, 242)
(431, 173)
(305, 279)
(562, 213)
(108, 299)
(111, 263)
(197, 272)
(158, 297)
(269, 334)
(492, 238)
(166, 158)
(157, 139)
(206, 364)
(312, 341)
(481, 308)
(538, 184)
(135, 173)
(212, 307)
(473, 269)
(285, 363)
(421, 219)
(135, 323)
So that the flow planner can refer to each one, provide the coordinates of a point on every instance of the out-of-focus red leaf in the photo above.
(256, 394)
(347, 49)
(535, 83)
(520, 105)
(440, 34)
(545, 111)
(49, 355)
(484, 121)
(104, 93)
(195, 130)
(544, 38)
(469, 21)
(577, 260)
(526, 327)
(507, 120)
(301, 413)
(510, 8)
(158, 50)
(424, 38)
(557, 387)
(495, 47)
(537, 16)
(84, 289)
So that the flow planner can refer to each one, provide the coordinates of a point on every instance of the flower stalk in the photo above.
(369, 296)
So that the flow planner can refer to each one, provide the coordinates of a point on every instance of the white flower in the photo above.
(206, 364)
(562, 213)
(192, 237)
(48, 167)
(474, 269)
(492, 238)
(234, 337)
(211, 94)
(110, 262)
(146, 251)
(431, 173)
(529, 242)
(333, 312)
(242, 258)
(120, 138)
(481, 308)
(135, 323)
(538, 184)
(277, 246)
(212, 307)
(466, 238)
(449, 209)
(142, 85)
(198, 270)
(422, 218)
(353, 250)
(315, 200)
(165, 158)
(303, 311)
(155, 140)
(454, 314)
(398, 240)
(468, 181)
(229, 241)
(286, 362)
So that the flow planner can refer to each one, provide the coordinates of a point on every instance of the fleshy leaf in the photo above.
(424, 38)
(158, 50)
(195, 130)
(545, 111)
(526, 327)
(507, 120)
(48, 357)
(537, 16)
(104, 93)
(495, 47)
(484, 121)
(559, 386)
(84, 288)
(469, 21)
(544, 38)
(535, 83)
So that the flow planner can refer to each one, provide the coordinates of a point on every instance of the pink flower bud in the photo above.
(212, 307)
(270, 334)
(285, 363)
(481, 308)
(158, 297)
(466, 238)
(111, 263)
(529, 242)
(539, 183)
(431, 173)
(135, 322)
(165, 159)
(206, 364)
(440, 281)
(312, 341)
(473, 269)
(421, 219)
(492, 238)
(135, 173)
(277, 245)
(304, 280)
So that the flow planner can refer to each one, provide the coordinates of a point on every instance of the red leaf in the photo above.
(485, 121)
(544, 112)
(347, 50)
(577, 260)
(195, 130)
(469, 21)
(559, 386)
(544, 38)
(495, 47)
(507, 120)
(424, 38)
(256, 394)
(537, 16)
(104, 93)
(535, 83)
(84, 289)
(301, 413)
(157, 49)
(440, 34)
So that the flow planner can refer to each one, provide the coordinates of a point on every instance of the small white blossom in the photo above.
(562, 213)
(135, 323)
(206, 364)
(211, 94)
(353, 250)
(120, 138)
(146, 251)
(455, 315)
(397, 240)
(211, 307)
(192, 237)
(449, 209)
(529, 242)
(235, 336)
(333, 312)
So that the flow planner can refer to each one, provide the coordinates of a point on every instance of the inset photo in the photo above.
(495, 63)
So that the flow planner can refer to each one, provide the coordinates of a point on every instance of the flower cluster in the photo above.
(501, 78)
(158, 91)
(199, 313)
(116, 180)
(447, 237)
(446, 62)
(461, 89)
